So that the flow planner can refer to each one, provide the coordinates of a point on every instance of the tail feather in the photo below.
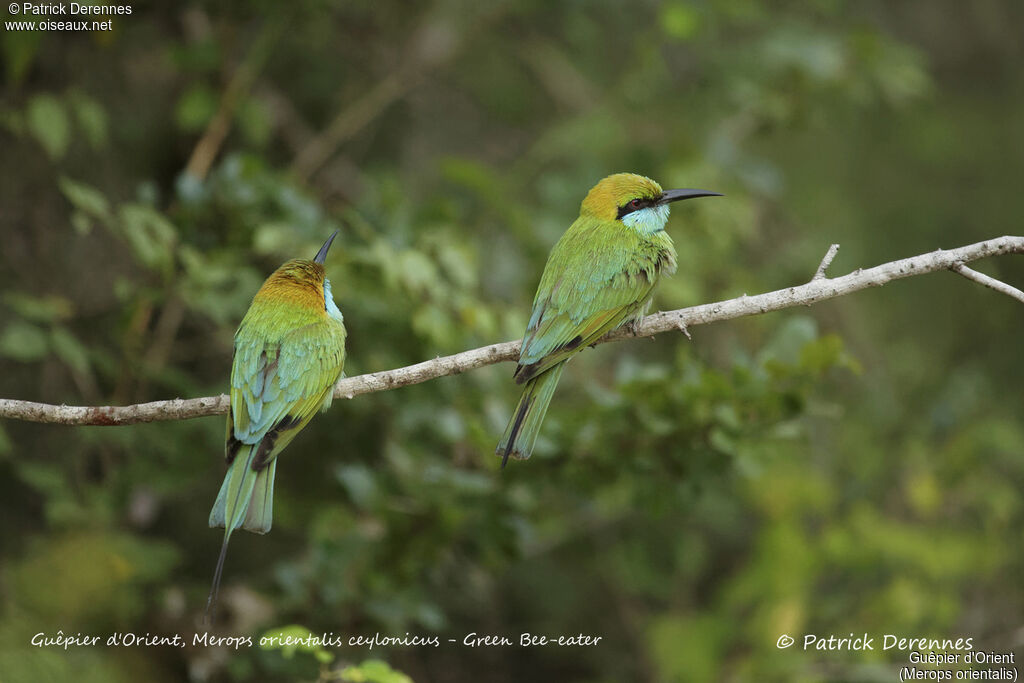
(245, 500)
(260, 516)
(524, 426)
(215, 588)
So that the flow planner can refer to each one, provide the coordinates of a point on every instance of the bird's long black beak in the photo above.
(669, 196)
(321, 255)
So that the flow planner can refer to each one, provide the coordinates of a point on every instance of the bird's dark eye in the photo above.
(633, 205)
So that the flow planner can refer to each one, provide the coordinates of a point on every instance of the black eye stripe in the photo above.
(634, 205)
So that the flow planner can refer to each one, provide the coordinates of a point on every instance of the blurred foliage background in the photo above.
(852, 467)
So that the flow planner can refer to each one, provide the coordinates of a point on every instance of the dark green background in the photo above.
(854, 467)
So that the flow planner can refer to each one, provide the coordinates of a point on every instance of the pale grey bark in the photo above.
(826, 261)
(818, 289)
(991, 282)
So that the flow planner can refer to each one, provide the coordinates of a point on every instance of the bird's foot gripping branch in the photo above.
(817, 289)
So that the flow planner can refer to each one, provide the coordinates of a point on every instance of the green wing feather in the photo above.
(278, 383)
(283, 382)
(277, 386)
(599, 275)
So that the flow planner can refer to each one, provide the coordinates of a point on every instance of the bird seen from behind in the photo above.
(289, 351)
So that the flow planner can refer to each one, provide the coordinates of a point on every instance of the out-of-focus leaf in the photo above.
(23, 341)
(69, 349)
(195, 108)
(48, 122)
(686, 649)
(45, 309)
(150, 234)
(358, 481)
(109, 571)
(254, 122)
(418, 273)
(85, 198)
(19, 49)
(790, 339)
(679, 21)
(819, 55)
(373, 671)
(295, 638)
(91, 118)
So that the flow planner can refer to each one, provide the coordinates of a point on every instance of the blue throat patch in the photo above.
(329, 305)
(648, 221)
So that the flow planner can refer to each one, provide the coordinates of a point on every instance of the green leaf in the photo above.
(91, 118)
(48, 123)
(46, 478)
(789, 340)
(44, 309)
(679, 21)
(19, 50)
(86, 574)
(150, 234)
(295, 638)
(373, 671)
(195, 108)
(254, 122)
(683, 648)
(23, 342)
(85, 198)
(359, 482)
(69, 349)
(81, 223)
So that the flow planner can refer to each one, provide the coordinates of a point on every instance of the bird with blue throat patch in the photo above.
(289, 352)
(599, 276)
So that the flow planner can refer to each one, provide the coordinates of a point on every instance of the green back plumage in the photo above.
(289, 353)
(287, 360)
(600, 275)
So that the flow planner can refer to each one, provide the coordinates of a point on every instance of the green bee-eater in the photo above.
(600, 275)
(289, 352)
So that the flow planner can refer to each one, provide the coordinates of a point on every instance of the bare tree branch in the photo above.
(826, 262)
(818, 289)
(990, 282)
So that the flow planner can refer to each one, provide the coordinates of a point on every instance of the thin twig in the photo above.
(350, 387)
(241, 82)
(347, 123)
(990, 282)
(825, 262)
(433, 44)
